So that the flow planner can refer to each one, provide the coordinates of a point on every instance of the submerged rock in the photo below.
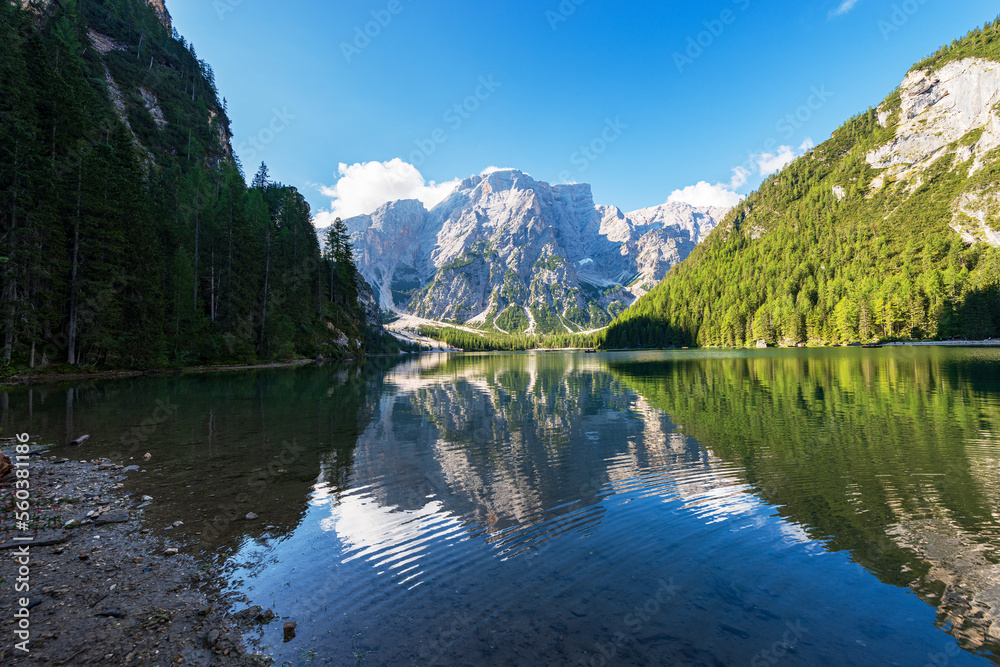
(114, 516)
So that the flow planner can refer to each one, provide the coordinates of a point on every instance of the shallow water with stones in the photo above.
(693, 507)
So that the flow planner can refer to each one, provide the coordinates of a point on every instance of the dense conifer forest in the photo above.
(128, 235)
(495, 342)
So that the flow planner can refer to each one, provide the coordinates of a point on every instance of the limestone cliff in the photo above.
(513, 254)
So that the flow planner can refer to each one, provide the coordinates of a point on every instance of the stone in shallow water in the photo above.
(43, 539)
(114, 516)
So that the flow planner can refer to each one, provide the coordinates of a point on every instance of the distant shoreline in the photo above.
(104, 375)
(947, 343)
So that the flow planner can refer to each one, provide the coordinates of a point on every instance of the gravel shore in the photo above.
(99, 587)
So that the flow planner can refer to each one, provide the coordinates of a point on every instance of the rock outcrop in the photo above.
(161, 11)
(951, 112)
(369, 304)
(507, 252)
(941, 107)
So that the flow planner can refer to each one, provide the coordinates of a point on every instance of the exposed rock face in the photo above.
(507, 248)
(950, 112)
(977, 217)
(118, 99)
(660, 237)
(161, 11)
(938, 108)
(366, 297)
(102, 43)
(153, 107)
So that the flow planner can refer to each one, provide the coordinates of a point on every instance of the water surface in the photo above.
(786, 507)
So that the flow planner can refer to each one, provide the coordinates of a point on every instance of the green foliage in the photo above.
(980, 43)
(578, 316)
(552, 263)
(820, 433)
(513, 320)
(487, 342)
(141, 246)
(546, 320)
(795, 264)
(460, 262)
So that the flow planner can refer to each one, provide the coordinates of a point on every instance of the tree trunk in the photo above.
(229, 271)
(197, 234)
(212, 287)
(267, 273)
(73, 287)
(10, 290)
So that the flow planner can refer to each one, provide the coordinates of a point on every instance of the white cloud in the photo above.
(363, 187)
(706, 194)
(740, 178)
(844, 7)
(769, 163)
(721, 194)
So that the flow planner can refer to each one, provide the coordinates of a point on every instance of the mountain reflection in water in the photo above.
(696, 507)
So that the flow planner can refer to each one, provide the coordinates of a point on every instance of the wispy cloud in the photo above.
(769, 163)
(722, 195)
(363, 187)
(725, 195)
(843, 8)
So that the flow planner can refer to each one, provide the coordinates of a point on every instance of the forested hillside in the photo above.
(128, 236)
(889, 230)
(493, 342)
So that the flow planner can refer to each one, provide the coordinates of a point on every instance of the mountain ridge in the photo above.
(510, 253)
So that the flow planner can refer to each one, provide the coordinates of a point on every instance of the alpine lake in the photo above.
(697, 507)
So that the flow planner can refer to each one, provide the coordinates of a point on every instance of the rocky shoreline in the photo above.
(102, 589)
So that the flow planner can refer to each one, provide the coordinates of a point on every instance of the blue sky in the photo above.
(363, 101)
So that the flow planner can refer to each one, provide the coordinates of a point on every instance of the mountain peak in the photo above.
(509, 253)
(498, 180)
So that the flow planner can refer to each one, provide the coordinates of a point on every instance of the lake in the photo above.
(699, 507)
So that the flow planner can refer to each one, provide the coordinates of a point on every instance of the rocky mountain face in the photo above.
(161, 12)
(508, 253)
(950, 114)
